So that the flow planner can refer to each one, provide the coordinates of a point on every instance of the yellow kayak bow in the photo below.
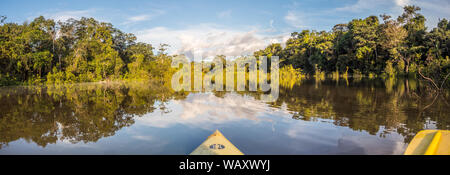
(430, 142)
(216, 144)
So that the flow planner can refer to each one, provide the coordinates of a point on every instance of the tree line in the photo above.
(87, 50)
(370, 47)
(81, 50)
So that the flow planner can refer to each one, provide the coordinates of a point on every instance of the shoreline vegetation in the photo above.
(47, 52)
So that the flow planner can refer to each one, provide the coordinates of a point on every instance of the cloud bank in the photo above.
(210, 40)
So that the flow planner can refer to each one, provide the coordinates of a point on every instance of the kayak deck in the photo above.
(216, 144)
(430, 142)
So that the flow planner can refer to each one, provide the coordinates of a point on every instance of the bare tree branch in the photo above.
(429, 79)
(443, 82)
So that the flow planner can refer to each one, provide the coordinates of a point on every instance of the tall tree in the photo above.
(414, 24)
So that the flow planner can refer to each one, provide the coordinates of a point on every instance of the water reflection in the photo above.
(394, 105)
(346, 116)
(78, 113)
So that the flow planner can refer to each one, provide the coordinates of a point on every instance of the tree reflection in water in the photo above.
(89, 112)
(75, 113)
(392, 105)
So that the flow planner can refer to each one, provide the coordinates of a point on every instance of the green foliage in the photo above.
(367, 47)
(82, 50)
(87, 50)
(389, 70)
(438, 70)
(290, 76)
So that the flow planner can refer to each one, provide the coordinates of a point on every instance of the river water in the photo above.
(354, 116)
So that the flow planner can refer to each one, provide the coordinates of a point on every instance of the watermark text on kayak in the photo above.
(226, 165)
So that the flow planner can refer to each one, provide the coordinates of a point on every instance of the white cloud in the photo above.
(371, 144)
(364, 5)
(65, 15)
(139, 18)
(271, 27)
(294, 19)
(144, 17)
(224, 14)
(437, 6)
(209, 40)
(143, 137)
(402, 3)
(206, 111)
(434, 10)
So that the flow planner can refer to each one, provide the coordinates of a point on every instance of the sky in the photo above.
(214, 27)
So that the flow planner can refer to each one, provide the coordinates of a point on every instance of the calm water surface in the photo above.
(355, 116)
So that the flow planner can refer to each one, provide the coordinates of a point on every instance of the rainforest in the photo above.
(83, 86)
(87, 50)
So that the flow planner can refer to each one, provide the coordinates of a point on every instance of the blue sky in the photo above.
(218, 27)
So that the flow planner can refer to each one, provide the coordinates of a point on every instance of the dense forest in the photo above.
(370, 47)
(82, 50)
(87, 50)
